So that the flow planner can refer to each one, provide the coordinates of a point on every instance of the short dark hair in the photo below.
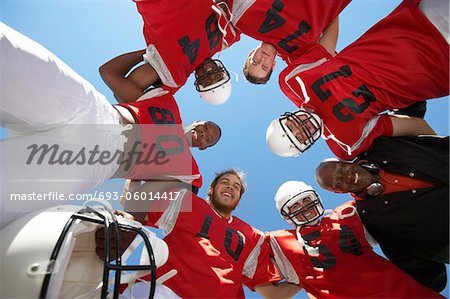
(220, 131)
(253, 79)
(320, 167)
(237, 173)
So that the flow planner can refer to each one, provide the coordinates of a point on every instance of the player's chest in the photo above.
(328, 246)
(217, 237)
(336, 93)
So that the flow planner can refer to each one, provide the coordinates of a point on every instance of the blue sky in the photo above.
(86, 33)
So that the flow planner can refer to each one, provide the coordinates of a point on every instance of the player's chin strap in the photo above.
(218, 8)
(236, 76)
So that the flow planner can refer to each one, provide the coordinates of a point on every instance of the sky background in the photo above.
(85, 34)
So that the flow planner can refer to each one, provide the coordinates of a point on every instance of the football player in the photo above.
(129, 82)
(182, 37)
(286, 28)
(71, 139)
(332, 256)
(401, 189)
(344, 95)
(213, 251)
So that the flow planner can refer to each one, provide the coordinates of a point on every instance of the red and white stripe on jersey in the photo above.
(370, 76)
(161, 128)
(334, 260)
(291, 26)
(180, 35)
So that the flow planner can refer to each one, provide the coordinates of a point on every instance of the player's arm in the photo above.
(329, 37)
(410, 126)
(280, 290)
(277, 290)
(137, 208)
(128, 86)
(126, 237)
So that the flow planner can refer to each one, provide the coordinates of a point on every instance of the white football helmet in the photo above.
(51, 254)
(282, 141)
(218, 92)
(295, 199)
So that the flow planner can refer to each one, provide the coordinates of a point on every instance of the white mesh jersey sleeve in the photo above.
(169, 218)
(252, 260)
(284, 266)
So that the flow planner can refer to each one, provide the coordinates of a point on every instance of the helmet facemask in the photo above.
(219, 75)
(303, 208)
(62, 263)
(301, 123)
(212, 82)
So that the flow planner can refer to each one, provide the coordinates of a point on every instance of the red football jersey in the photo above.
(333, 259)
(180, 35)
(291, 26)
(213, 256)
(161, 131)
(371, 75)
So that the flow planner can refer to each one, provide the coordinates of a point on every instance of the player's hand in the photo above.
(126, 238)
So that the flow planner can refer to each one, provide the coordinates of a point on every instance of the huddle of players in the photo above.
(340, 97)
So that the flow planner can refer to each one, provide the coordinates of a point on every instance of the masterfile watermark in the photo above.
(140, 153)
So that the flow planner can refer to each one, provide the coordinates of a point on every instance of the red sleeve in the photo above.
(312, 58)
(383, 127)
(266, 272)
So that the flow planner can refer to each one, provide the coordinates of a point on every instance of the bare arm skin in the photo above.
(410, 126)
(128, 86)
(281, 290)
(329, 37)
(137, 211)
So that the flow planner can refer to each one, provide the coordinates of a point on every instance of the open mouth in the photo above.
(227, 194)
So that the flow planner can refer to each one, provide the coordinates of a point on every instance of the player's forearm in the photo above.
(410, 126)
(281, 290)
(121, 64)
(329, 37)
(114, 74)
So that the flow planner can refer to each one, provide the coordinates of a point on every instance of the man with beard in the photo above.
(213, 252)
(401, 191)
